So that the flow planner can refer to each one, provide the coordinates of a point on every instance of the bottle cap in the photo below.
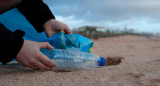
(103, 61)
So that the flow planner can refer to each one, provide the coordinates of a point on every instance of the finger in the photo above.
(31, 64)
(45, 45)
(67, 30)
(50, 32)
(46, 61)
(33, 67)
(41, 66)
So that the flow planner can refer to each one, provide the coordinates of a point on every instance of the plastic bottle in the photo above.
(75, 59)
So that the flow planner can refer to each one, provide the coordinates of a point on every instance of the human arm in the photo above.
(36, 12)
(6, 5)
(10, 44)
(40, 16)
(26, 52)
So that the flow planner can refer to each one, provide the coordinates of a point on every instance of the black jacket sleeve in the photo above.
(36, 12)
(10, 44)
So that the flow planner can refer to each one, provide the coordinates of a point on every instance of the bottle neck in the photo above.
(102, 62)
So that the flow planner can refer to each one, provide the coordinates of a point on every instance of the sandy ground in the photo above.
(141, 68)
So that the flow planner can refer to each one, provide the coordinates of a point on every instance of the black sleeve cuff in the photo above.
(36, 12)
(10, 44)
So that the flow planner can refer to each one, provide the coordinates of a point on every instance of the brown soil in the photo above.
(141, 67)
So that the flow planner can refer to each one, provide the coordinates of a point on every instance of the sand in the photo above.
(141, 67)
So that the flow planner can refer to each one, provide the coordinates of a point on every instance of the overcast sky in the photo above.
(141, 15)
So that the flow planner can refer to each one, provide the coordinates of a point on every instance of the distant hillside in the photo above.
(95, 32)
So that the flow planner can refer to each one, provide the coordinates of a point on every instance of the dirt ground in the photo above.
(141, 67)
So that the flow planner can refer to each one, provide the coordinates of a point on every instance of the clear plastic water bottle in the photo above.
(75, 59)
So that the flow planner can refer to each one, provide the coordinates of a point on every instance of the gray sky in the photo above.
(141, 15)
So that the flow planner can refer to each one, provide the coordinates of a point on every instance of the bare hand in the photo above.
(30, 55)
(53, 26)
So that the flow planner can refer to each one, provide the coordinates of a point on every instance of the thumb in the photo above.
(45, 45)
(49, 32)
